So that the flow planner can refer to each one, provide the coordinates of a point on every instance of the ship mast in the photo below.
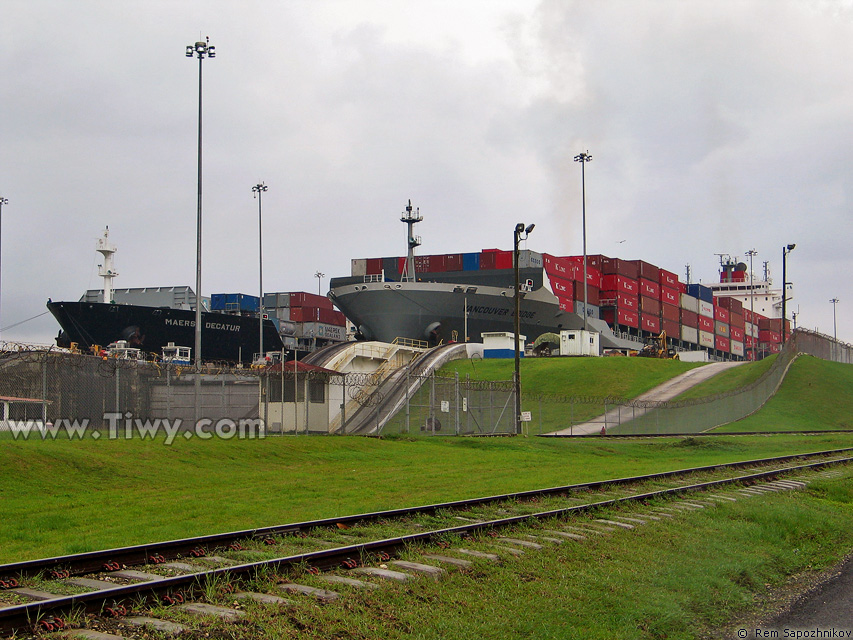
(410, 217)
(106, 270)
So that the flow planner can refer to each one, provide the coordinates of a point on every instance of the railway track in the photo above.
(39, 595)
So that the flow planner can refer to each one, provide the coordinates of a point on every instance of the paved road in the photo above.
(665, 391)
(826, 612)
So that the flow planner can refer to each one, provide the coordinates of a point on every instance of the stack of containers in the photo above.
(705, 319)
(560, 272)
(310, 308)
(750, 331)
(620, 291)
(593, 287)
(689, 318)
(648, 281)
(770, 334)
(721, 329)
(736, 324)
(670, 300)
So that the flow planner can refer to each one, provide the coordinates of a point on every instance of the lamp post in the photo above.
(257, 192)
(583, 158)
(834, 302)
(785, 251)
(319, 277)
(202, 50)
(520, 230)
(752, 253)
(2, 202)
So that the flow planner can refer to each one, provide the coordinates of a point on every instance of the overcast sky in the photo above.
(714, 126)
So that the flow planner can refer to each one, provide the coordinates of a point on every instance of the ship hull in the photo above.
(437, 312)
(224, 337)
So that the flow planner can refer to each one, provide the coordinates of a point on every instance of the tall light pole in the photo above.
(752, 253)
(258, 190)
(520, 230)
(583, 158)
(2, 202)
(319, 277)
(785, 251)
(834, 302)
(202, 50)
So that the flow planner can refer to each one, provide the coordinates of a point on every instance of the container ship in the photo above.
(456, 297)
(151, 319)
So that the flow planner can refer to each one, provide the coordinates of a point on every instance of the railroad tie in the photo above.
(352, 582)
(426, 569)
(133, 574)
(97, 585)
(34, 594)
(385, 574)
(323, 595)
(91, 634)
(163, 626)
(522, 543)
(510, 550)
(456, 562)
(623, 525)
(203, 609)
(263, 598)
(565, 534)
(491, 557)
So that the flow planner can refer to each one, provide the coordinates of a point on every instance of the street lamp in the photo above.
(751, 253)
(2, 202)
(257, 191)
(520, 230)
(200, 49)
(785, 251)
(319, 277)
(583, 158)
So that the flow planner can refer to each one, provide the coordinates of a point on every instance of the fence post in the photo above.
(456, 398)
(344, 405)
(408, 403)
(432, 403)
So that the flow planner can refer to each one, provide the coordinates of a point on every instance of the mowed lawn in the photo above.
(59, 497)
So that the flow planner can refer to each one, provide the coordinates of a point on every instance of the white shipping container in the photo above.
(706, 309)
(750, 329)
(321, 330)
(706, 339)
(283, 313)
(359, 266)
(737, 348)
(592, 311)
(690, 303)
(690, 334)
(528, 259)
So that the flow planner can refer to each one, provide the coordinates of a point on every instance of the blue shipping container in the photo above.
(233, 302)
(701, 292)
(470, 262)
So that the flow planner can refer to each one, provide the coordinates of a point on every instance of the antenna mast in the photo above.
(106, 270)
(411, 217)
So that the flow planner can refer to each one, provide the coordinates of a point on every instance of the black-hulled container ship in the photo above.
(152, 318)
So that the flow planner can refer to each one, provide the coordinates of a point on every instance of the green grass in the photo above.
(729, 380)
(816, 394)
(66, 496)
(692, 577)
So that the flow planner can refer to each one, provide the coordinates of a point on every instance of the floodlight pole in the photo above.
(258, 191)
(2, 202)
(751, 253)
(516, 238)
(319, 277)
(785, 251)
(583, 158)
(201, 50)
(834, 302)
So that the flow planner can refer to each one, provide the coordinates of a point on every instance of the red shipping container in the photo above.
(649, 306)
(592, 296)
(614, 266)
(670, 296)
(690, 318)
(561, 288)
(558, 266)
(749, 342)
(682, 287)
(670, 312)
(566, 304)
(647, 270)
(596, 260)
(437, 264)
(723, 344)
(705, 323)
(487, 259)
(593, 276)
(773, 324)
(671, 327)
(623, 317)
(732, 304)
(454, 262)
(721, 314)
(747, 315)
(650, 322)
(619, 300)
(422, 264)
(401, 265)
(503, 260)
(774, 348)
(736, 334)
(621, 283)
(305, 314)
(374, 266)
(649, 288)
(770, 337)
(305, 299)
(668, 279)
(736, 320)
